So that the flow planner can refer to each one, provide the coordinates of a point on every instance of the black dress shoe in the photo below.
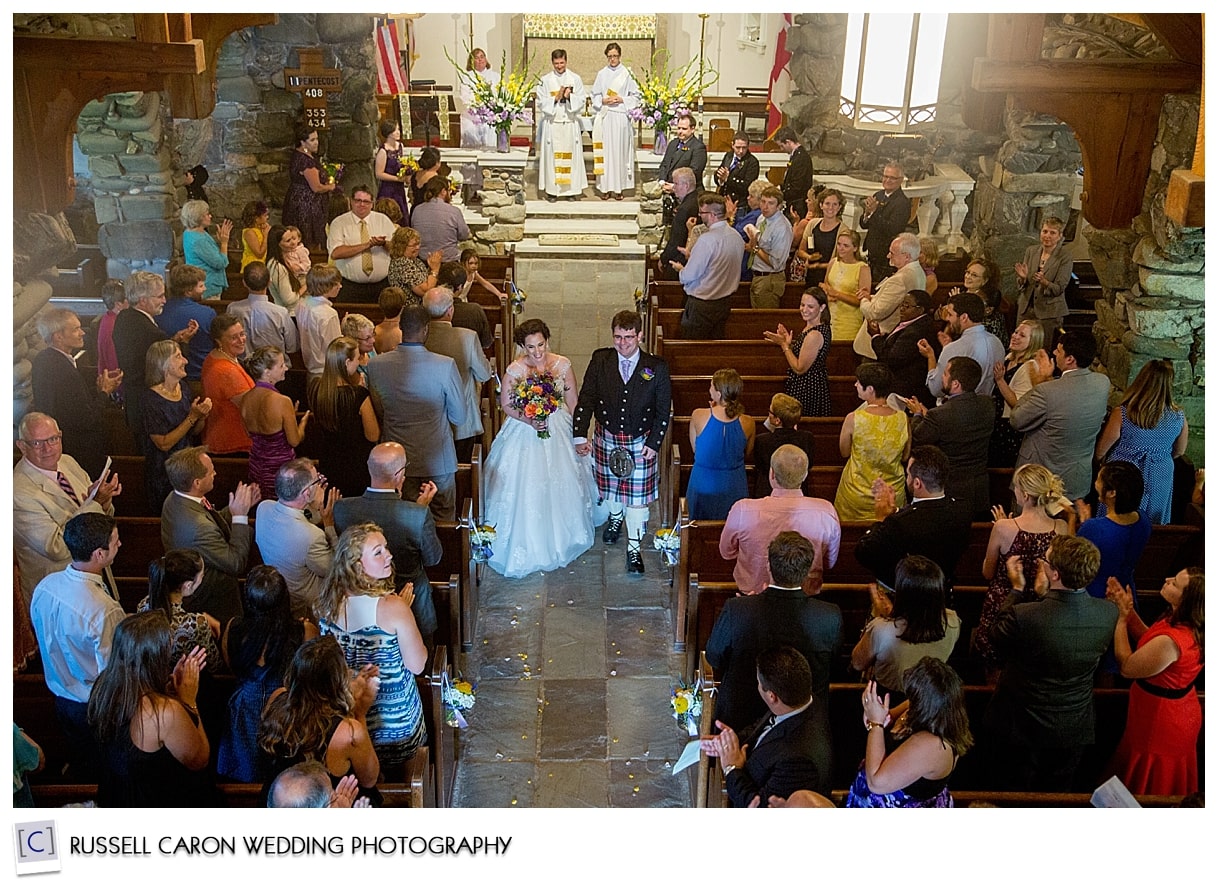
(634, 557)
(550, 198)
(613, 529)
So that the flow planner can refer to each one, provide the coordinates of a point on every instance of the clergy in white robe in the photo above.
(560, 139)
(614, 94)
(476, 135)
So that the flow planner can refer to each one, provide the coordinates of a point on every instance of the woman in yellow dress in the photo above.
(876, 439)
(845, 280)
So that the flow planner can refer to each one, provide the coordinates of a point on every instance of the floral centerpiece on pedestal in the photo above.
(666, 94)
(500, 105)
(537, 396)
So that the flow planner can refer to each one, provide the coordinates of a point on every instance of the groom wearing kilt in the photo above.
(630, 393)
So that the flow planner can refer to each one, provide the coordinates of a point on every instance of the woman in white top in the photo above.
(1012, 380)
(475, 134)
(285, 287)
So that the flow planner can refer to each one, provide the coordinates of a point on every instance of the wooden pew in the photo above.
(458, 573)
(397, 794)
(441, 738)
(690, 392)
(671, 295)
(753, 356)
(824, 431)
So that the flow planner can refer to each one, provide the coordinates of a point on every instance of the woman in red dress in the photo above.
(1158, 752)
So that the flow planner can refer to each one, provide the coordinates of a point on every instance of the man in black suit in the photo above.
(409, 528)
(1042, 715)
(785, 749)
(783, 426)
(885, 216)
(798, 179)
(933, 524)
(738, 169)
(221, 536)
(687, 151)
(781, 615)
(630, 393)
(899, 347)
(62, 393)
(135, 329)
(685, 190)
(961, 427)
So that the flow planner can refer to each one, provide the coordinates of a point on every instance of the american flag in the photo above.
(390, 79)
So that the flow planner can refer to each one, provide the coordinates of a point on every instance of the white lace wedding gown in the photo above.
(540, 494)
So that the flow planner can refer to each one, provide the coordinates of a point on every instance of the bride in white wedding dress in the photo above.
(541, 496)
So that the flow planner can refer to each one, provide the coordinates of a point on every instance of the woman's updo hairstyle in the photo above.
(527, 329)
(1045, 489)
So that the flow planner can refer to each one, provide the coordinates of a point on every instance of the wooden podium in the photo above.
(430, 114)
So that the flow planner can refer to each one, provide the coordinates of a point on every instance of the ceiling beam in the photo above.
(118, 56)
(1085, 75)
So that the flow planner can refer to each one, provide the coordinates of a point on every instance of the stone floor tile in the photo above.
(642, 638)
(648, 784)
(572, 784)
(640, 719)
(504, 722)
(482, 784)
(573, 643)
(507, 646)
(573, 719)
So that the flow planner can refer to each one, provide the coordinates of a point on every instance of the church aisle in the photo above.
(574, 674)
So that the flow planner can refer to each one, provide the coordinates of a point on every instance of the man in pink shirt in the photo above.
(753, 523)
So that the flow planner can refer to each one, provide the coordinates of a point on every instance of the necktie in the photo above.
(66, 487)
(732, 167)
(765, 730)
(760, 230)
(625, 366)
(366, 257)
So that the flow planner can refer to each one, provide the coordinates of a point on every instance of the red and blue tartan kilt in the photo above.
(642, 486)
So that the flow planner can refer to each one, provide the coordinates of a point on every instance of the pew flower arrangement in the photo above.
(668, 540)
(536, 397)
(687, 707)
(517, 297)
(458, 695)
(640, 300)
(480, 538)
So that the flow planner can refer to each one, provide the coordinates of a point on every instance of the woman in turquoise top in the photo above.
(722, 436)
(200, 249)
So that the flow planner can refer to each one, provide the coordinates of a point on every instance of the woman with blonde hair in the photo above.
(1040, 496)
(1149, 430)
(374, 626)
(407, 270)
(722, 436)
(1012, 381)
(201, 250)
(929, 258)
(344, 426)
(846, 279)
(255, 225)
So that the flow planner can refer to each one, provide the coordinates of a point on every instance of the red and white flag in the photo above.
(390, 78)
(780, 78)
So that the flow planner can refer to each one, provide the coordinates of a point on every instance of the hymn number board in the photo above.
(313, 82)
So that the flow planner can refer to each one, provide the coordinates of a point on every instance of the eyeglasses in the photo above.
(362, 201)
(42, 443)
(891, 177)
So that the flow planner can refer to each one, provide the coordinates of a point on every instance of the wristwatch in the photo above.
(727, 770)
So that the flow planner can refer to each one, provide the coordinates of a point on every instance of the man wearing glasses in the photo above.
(885, 216)
(712, 274)
(685, 191)
(49, 489)
(288, 541)
(358, 246)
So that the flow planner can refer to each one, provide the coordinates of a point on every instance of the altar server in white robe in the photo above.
(614, 95)
(476, 135)
(560, 139)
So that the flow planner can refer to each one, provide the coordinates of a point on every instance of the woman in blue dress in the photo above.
(722, 436)
(1149, 430)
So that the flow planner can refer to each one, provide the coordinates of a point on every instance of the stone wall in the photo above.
(502, 202)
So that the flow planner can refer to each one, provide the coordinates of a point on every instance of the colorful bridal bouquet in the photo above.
(661, 99)
(687, 707)
(333, 170)
(458, 695)
(480, 539)
(504, 103)
(537, 396)
(517, 297)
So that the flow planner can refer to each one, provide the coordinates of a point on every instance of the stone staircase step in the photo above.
(536, 226)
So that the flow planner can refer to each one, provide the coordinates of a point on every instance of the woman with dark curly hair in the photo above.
(319, 714)
(910, 766)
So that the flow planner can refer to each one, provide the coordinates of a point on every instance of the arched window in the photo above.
(890, 71)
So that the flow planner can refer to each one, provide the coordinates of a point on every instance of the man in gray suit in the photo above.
(421, 396)
(461, 345)
(961, 427)
(1060, 418)
(408, 526)
(287, 541)
(188, 520)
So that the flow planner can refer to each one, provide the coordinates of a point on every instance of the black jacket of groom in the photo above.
(635, 409)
